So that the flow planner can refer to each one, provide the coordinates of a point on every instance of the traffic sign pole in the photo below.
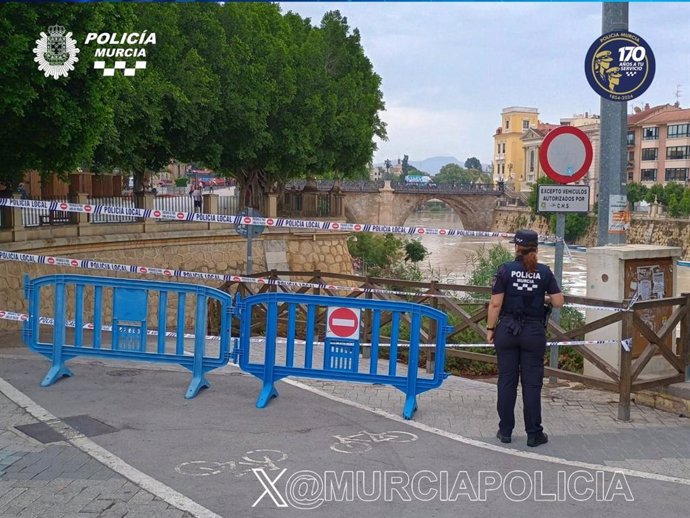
(558, 272)
(565, 156)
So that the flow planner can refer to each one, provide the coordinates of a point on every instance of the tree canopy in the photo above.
(453, 173)
(242, 88)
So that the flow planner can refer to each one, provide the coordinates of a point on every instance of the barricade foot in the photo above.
(197, 383)
(55, 373)
(268, 392)
(410, 407)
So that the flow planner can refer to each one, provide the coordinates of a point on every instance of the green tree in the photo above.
(450, 173)
(52, 125)
(415, 251)
(636, 193)
(473, 164)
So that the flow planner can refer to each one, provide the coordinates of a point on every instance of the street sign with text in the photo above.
(564, 198)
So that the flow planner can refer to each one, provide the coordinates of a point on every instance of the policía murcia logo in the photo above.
(620, 66)
(126, 51)
(56, 52)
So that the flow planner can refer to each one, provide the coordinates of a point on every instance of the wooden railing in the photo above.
(623, 378)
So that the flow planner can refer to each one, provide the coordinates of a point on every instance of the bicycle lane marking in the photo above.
(362, 442)
(487, 446)
(110, 460)
(205, 468)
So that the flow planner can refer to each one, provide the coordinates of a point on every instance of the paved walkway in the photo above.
(61, 480)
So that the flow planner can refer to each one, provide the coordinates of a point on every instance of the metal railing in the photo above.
(112, 201)
(622, 376)
(228, 205)
(36, 217)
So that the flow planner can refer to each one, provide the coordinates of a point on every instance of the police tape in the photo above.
(48, 321)
(22, 317)
(184, 274)
(250, 220)
(572, 343)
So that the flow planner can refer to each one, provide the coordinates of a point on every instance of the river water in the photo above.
(450, 256)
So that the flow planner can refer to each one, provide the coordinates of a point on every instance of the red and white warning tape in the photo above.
(90, 264)
(22, 317)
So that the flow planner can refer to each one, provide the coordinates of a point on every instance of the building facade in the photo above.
(659, 145)
(509, 156)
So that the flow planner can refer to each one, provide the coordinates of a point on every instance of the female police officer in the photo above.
(520, 291)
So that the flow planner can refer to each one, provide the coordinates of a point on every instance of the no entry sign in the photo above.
(566, 154)
(343, 323)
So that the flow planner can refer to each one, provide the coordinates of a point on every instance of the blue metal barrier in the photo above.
(340, 355)
(135, 303)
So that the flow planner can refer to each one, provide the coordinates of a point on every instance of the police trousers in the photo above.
(520, 347)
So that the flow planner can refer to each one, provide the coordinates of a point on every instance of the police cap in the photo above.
(526, 238)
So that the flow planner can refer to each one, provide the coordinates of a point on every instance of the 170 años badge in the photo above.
(620, 66)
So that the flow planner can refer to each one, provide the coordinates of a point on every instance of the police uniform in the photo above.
(520, 339)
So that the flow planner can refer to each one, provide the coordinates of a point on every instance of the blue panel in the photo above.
(130, 304)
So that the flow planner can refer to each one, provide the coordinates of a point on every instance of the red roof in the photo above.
(638, 118)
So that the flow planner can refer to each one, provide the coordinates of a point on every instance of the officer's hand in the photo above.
(490, 337)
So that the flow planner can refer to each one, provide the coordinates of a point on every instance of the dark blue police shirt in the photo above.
(524, 291)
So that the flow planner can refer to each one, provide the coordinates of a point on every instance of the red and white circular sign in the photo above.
(74, 263)
(566, 154)
(156, 214)
(63, 206)
(335, 226)
(51, 260)
(88, 208)
(357, 227)
(343, 323)
(180, 215)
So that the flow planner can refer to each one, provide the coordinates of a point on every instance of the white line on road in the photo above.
(488, 446)
(147, 483)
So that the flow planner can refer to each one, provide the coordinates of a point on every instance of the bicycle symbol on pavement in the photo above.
(362, 442)
(266, 459)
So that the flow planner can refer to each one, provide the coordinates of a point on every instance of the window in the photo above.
(678, 130)
(507, 123)
(677, 174)
(525, 124)
(678, 152)
(650, 133)
(648, 175)
(631, 156)
(650, 153)
(631, 138)
(531, 160)
(499, 147)
(630, 177)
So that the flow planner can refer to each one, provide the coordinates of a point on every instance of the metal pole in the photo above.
(613, 129)
(558, 272)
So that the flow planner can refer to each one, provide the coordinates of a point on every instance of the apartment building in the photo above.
(659, 145)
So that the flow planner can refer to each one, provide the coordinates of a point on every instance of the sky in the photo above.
(449, 68)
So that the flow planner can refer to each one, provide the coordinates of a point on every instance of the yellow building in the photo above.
(509, 156)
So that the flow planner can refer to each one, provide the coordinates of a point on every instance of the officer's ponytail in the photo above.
(529, 257)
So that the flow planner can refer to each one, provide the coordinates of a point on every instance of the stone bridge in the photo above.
(391, 203)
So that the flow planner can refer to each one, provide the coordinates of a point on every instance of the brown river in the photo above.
(449, 255)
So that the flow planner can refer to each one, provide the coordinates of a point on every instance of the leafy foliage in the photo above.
(387, 255)
(239, 87)
(453, 173)
(673, 196)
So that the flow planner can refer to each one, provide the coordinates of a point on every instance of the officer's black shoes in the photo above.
(503, 438)
(537, 439)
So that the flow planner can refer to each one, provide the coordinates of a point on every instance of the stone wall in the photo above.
(510, 219)
(217, 251)
(643, 230)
